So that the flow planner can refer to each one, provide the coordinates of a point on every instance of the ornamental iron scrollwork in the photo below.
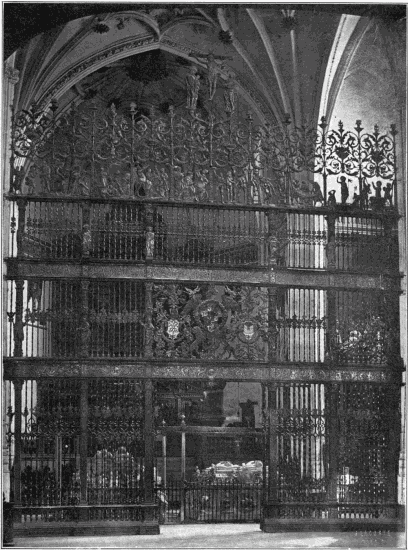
(115, 410)
(363, 329)
(206, 151)
(365, 416)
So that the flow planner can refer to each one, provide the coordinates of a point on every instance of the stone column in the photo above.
(10, 79)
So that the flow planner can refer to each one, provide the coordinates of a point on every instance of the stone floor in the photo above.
(223, 536)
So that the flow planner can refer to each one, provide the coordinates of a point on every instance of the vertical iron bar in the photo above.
(392, 393)
(18, 385)
(331, 315)
(272, 324)
(148, 442)
(331, 242)
(148, 343)
(18, 332)
(273, 449)
(332, 440)
(21, 204)
(164, 452)
(83, 440)
(85, 327)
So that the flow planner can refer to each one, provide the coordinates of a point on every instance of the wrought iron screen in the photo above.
(57, 463)
(50, 432)
(116, 442)
(116, 316)
(301, 431)
(364, 327)
(331, 446)
(121, 318)
(301, 325)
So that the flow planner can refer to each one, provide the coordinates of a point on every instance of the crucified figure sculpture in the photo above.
(214, 67)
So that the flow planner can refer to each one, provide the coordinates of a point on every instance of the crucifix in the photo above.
(214, 65)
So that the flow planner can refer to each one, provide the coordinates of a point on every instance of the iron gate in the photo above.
(222, 501)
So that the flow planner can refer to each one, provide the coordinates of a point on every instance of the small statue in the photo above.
(193, 86)
(331, 201)
(388, 194)
(141, 182)
(163, 182)
(229, 94)
(34, 293)
(17, 181)
(317, 193)
(149, 243)
(149, 190)
(188, 185)
(230, 186)
(196, 474)
(178, 180)
(377, 189)
(29, 181)
(366, 190)
(202, 185)
(344, 189)
(356, 199)
(86, 240)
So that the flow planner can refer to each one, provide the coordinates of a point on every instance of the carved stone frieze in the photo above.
(278, 277)
(210, 372)
(343, 375)
(26, 369)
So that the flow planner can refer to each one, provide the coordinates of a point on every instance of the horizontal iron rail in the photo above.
(22, 368)
(338, 211)
(325, 504)
(75, 507)
(107, 270)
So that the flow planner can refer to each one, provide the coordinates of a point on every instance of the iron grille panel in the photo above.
(116, 315)
(332, 444)
(116, 442)
(301, 325)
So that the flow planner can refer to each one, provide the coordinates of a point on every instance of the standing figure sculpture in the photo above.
(214, 68)
(365, 191)
(193, 86)
(377, 189)
(331, 201)
(317, 194)
(230, 184)
(344, 189)
(388, 194)
(229, 94)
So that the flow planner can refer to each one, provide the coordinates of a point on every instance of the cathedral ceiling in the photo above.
(278, 55)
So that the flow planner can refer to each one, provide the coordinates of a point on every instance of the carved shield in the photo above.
(173, 328)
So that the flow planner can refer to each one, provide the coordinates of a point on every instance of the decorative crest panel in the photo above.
(210, 322)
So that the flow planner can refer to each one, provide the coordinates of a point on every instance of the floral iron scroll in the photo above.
(210, 322)
(208, 154)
